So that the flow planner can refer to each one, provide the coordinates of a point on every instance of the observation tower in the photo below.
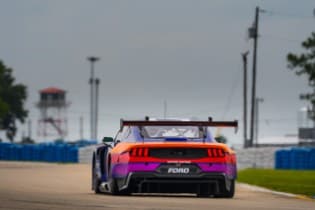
(53, 113)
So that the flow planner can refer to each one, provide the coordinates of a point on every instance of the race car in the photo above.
(165, 156)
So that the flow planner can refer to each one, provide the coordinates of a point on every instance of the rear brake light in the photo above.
(216, 152)
(146, 152)
(233, 159)
(209, 153)
(139, 152)
(133, 152)
(221, 153)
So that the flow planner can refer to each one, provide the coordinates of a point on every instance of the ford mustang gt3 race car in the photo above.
(165, 156)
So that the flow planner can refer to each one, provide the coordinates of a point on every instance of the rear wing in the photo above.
(209, 123)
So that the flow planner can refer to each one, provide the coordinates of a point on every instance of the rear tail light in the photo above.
(216, 152)
(139, 152)
(146, 152)
(233, 159)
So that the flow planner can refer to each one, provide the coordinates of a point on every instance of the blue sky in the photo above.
(185, 52)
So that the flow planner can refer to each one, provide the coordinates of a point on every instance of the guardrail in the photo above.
(295, 158)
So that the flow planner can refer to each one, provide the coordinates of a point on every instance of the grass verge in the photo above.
(291, 181)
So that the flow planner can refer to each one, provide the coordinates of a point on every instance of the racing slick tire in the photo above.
(95, 181)
(227, 193)
(113, 183)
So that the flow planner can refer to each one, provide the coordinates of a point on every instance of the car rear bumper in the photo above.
(148, 182)
(211, 178)
(122, 170)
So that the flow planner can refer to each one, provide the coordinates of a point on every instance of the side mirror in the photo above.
(107, 140)
(221, 139)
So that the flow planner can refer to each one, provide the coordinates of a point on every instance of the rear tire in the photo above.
(228, 193)
(97, 187)
(95, 181)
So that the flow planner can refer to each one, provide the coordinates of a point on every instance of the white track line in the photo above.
(262, 189)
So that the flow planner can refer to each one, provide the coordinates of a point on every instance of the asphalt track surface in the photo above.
(67, 186)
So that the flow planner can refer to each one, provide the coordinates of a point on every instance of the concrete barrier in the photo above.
(261, 157)
(85, 154)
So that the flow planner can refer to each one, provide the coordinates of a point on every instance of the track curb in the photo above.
(262, 189)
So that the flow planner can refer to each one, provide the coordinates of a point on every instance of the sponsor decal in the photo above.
(179, 161)
(174, 170)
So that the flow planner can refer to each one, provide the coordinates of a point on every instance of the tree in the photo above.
(12, 98)
(304, 64)
(27, 140)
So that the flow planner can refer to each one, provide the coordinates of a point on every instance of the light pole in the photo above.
(165, 109)
(255, 144)
(81, 127)
(253, 33)
(29, 126)
(257, 101)
(244, 56)
(97, 82)
(92, 60)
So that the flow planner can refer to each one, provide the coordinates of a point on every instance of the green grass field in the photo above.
(291, 181)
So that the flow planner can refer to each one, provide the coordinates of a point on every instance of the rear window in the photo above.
(191, 132)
